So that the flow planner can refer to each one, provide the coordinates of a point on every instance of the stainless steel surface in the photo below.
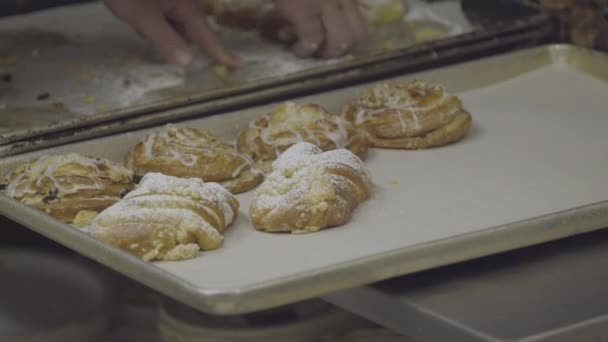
(78, 66)
(522, 104)
(552, 292)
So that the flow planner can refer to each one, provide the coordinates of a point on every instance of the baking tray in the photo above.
(422, 59)
(530, 171)
(78, 66)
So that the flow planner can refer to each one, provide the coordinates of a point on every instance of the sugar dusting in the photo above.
(297, 169)
(163, 217)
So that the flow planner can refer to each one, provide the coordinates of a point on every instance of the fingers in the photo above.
(153, 25)
(307, 26)
(328, 27)
(356, 22)
(338, 38)
(190, 17)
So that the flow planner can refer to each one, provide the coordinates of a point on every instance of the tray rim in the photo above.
(375, 268)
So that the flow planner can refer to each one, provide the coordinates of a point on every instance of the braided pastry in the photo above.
(410, 115)
(187, 152)
(309, 190)
(290, 123)
(168, 218)
(64, 185)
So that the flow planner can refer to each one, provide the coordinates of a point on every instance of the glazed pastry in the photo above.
(309, 190)
(410, 115)
(64, 185)
(290, 123)
(168, 218)
(187, 152)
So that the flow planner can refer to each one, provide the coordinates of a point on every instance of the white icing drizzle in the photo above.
(28, 178)
(397, 98)
(301, 123)
(187, 146)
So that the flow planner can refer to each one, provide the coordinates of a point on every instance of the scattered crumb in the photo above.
(371, 29)
(43, 97)
(395, 182)
(10, 60)
(89, 99)
(427, 34)
(57, 107)
(6, 77)
(221, 72)
(388, 45)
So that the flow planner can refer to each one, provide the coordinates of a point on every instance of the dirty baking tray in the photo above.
(78, 66)
(531, 171)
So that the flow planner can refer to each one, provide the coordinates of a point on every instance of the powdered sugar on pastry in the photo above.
(309, 190)
(168, 218)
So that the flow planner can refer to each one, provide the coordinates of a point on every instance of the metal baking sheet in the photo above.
(79, 66)
(415, 62)
(531, 171)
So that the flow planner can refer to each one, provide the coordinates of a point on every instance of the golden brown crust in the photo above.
(289, 123)
(168, 218)
(187, 152)
(309, 190)
(64, 185)
(410, 115)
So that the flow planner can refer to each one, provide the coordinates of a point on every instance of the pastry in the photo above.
(289, 123)
(64, 185)
(410, 115)
(309, 190)
(187, 152)
(168, 218)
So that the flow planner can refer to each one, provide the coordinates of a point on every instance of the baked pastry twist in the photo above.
(309, 190)
(168, 218)
(187, 152)
(410, 115)
(64, 185)
(290, 123)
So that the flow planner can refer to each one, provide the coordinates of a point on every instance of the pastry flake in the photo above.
(64, 185)
(188, 152)
(412, 115)
(290, 123)
(168, 218)
(309, 190)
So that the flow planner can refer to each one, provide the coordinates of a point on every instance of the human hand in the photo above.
(328, 27)
(170, 25)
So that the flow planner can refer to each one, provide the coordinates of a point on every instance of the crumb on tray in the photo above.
(89, 99)
(221, 72)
